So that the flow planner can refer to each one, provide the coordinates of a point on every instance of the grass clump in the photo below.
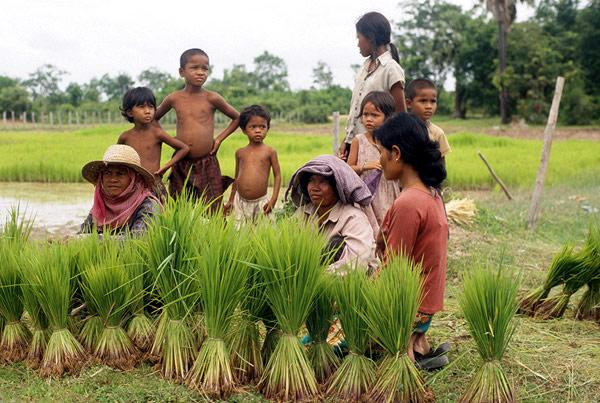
(355, 375)
(290, 261)
(391, 308)
(489, 305)
(223, 272)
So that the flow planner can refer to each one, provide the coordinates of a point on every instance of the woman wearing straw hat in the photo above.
(123, 199)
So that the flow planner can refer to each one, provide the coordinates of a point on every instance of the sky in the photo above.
(89, 38)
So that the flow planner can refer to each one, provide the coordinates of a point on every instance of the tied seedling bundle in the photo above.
(15, 336)
(489, 304)
(290, 260)
(170, 254)
(106, 288)
(320, 353)
(356, 374)
(391, 308)
(53, 284)
(223, 253)
(140, 329)
(562, 266)
(589, 305)
(583, 272)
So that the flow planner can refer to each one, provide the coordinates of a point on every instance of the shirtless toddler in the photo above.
(139, 108)
(253, 164)
(195, 108)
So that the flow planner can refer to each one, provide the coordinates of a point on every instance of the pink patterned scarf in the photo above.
(115, 212)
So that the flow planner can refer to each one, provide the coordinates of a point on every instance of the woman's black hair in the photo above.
(254, 110)
(382, 100)
(409, 134)
(305, 178)
(138, 96)
(377, 29)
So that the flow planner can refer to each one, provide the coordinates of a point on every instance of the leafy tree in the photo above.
(588, 26)
(322, 75)
(115, 87)
(91, 91)
(74, 94)
(14, 98)
(45, 81)
(270, 72)
(160, 82)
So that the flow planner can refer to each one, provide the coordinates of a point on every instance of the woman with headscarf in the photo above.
(123, 199)
(328, 191)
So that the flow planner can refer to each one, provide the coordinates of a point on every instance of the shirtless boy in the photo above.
(195, 108)
(253, 164)
(139, 108)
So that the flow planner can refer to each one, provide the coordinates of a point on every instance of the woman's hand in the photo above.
(371, 165)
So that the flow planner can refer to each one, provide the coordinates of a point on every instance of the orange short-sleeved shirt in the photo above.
(416, 224)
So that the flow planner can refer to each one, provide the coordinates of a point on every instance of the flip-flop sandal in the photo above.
(432, 363)
(440, 350)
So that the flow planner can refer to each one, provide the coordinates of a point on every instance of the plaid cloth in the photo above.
(205, 180)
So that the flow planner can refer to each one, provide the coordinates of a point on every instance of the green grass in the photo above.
(57, 156)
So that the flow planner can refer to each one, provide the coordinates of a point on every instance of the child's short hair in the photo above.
(183, 59)
(417, 85)
(381, 100)
(254, 110)
(138, 96)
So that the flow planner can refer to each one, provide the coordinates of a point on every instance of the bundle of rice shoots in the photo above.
(15, 335)
(17, 226)
(589, 305)
(390, 310)
(489, 304)
(563, 264)
(223, 273)
(53, 285)
(320, 353)
(584, 272)
(290, 260)
(170, 256)
(37, 318)
(461, 211)
(106, 286)
(140, 330)
(355, 375)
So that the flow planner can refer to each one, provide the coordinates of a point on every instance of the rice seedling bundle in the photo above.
(584, 272)
(489, 305)
(290, 260)
(53, 285)
(562, 266)
(15, 335)
(170, 256)
(589, 305)
(106, 286)
(320, 353)
(223, 272)
(391, 305)
(352, 380)
(140, 330)
(37, 318)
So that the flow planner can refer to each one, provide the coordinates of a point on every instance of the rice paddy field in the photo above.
(553, 360)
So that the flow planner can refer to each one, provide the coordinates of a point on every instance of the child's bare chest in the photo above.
(255, 159)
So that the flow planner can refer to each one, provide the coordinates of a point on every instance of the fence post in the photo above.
(3, 118)
(336, 131)
(59, 118)
(69, 118)
(109, 117)
(51, 118)
(77, 118)
(33, 119)
(12, 116)
(95, 118)
(42, 118)
(84, 118)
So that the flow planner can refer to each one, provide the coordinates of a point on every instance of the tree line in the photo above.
(500, 67)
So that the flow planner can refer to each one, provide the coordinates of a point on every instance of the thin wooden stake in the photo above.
(336, 131)
(496, 177)
(534, 210)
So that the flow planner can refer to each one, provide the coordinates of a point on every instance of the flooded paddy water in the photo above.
(57, 209)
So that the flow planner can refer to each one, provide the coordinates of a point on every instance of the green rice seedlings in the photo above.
(169, 252)
(560, 269)
(290, 261)
(106, 286)
(37, 318)
(583, 272)
(140, 330)
(272, 335)
(53, 285)
(17, 227)
(320, 353)
(223, 272)
(391, 306)
(15, 335)
(356, 374)
(589, 305)
(489, 304)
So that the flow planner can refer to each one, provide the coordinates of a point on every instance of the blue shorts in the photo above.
(422, 322)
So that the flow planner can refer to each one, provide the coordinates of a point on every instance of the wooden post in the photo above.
(33, 118)
(3, 118)
(495, 176)
(534, 209)
(336, 132)
(95, 118)
(12, 116)
(84, 118)
(109, 117)
(51, 118)
(69, 118)
(59, 113)
(77, 118)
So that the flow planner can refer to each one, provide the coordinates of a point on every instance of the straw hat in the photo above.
(117, 154)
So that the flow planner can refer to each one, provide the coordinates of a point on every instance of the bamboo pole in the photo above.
(495, 176)
(534, 209)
